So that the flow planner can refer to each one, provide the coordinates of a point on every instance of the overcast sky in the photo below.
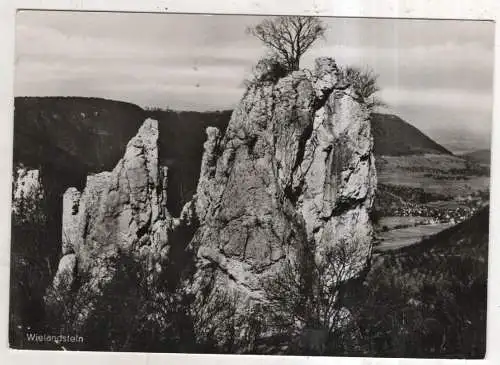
(436, 74)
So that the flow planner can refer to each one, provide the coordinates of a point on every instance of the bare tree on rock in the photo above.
(289, 37)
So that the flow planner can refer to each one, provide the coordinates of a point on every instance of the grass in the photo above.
(446, 175)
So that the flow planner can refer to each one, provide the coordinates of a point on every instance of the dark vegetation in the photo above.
(416, 195)
(133, 312)
(182, 134)
(305, 303)
(32, 267)
(395, 137)
(482, 157)
(428, 300)
(45, 131)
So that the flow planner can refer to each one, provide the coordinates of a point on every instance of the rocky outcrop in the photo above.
(27, 193)
(295, 167)
(122, 211)
(292, 175)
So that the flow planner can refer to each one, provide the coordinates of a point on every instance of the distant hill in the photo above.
(395, 137)
(182, 135)
(479, 156)
(71, 137)
(87, 135)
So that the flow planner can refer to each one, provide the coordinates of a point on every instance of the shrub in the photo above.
(133, 311)
(268, 69)
(306, 301)
(364, 83)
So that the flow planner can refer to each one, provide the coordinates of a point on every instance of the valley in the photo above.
(421, 195)
(396, 238)
(422, 187)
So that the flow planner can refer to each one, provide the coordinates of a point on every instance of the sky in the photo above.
(435, 74)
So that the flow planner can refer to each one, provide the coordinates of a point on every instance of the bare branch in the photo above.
(289, 37)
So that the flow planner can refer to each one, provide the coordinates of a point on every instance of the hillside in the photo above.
(436, 288)
(71, 137)
(73, 134)
(45, 128)
(182, 135)
(89, 134)
(480, 156)
(395, 137)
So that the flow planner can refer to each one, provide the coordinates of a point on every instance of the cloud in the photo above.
(444, 98)
(427, 69)
(446, 65)
(408, 33)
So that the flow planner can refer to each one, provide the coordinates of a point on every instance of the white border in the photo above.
(438, 9)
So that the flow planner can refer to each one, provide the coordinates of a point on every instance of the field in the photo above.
(446, 175)
(421, 195)
(401, 237)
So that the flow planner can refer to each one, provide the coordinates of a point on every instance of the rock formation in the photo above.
(118, 211)
(294, 166)
(27, 192)
(294, 171)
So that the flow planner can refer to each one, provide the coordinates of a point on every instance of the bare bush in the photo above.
(133, 311)
(216, 321)
(268, 69)
(305, 300)
(364, 84)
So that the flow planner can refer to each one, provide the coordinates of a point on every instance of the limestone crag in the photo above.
(295, 165)
(27, 193)
(339, 178)
(119, 211)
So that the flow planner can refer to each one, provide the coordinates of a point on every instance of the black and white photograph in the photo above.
(251, 184)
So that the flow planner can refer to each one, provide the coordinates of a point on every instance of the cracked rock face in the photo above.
(295, 165)
(339, 176)
(119, 211)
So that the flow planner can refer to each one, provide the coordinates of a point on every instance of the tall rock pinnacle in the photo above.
(294, 166)
(119, 211)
